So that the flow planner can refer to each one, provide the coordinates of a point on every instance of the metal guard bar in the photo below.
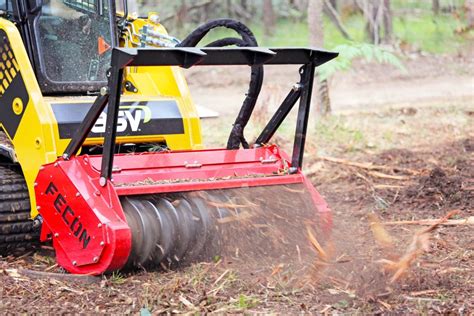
(187, 57)
(217, 56)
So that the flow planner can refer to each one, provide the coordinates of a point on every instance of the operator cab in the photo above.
(68, 42)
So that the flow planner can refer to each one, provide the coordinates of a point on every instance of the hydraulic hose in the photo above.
(236, 137)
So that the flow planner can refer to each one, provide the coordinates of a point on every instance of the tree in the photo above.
(269, 18)
(331, 11)
(378, 15)
(469, 7)
(387, 22)
(435, 6)
(316, 38)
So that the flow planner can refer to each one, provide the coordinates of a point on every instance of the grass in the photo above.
(421, 31)
(434, 35)
(117, 278)
(246, 302)
(362, 132)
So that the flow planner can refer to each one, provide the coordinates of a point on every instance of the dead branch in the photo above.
(336, 19)
(429, 222)
(369, 165)
(85, 279)
(381, 175)
(387, 186)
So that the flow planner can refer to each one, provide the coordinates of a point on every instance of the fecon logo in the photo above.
(129, 116)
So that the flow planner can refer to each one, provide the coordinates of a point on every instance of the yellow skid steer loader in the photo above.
(100, 141)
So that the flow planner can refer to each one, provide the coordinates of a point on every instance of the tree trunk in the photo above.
(435, 6)
(300, 5)
(181, 15)
(373, 12)
(387, 22)
(469, 7)
(315, 23)
(229, 8)
(333, 15)
(269, 19)
(316, 38)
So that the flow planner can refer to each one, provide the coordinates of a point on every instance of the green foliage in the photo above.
(246, 302)
(429, 33)
(349, 52)
(342, 304)
(117, 278)
(420, 30)
(340, 132)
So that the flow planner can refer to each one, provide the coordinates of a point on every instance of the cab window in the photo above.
(74, 39)
(6, 5)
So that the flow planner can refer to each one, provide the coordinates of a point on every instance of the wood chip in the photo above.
(382, 237)
(186, 302)
(314, 242)
(418, 245)
(418, 293)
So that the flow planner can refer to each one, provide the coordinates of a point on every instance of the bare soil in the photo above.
(411, 163)
(428, 80)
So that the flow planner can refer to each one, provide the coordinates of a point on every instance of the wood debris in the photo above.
(322, 260)
(452, 222)
(369, 166)
(32, 274)
(418, 245)
(382, 237)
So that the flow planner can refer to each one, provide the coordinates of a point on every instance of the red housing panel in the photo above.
(86, 221)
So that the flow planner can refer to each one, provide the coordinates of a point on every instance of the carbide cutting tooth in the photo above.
(151, 233)
(186, 228)
(133, 221)
(203, 228)
(161, 249)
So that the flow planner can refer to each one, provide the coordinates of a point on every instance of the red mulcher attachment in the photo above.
(110, 212)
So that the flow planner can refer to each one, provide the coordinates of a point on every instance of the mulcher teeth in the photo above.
(175, 229)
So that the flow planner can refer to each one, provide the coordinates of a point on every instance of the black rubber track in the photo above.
(17, 231)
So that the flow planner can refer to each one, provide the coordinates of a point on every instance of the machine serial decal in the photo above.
(14, 97)
(134, 118)
(68, 216)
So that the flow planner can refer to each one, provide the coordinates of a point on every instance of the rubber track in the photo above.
(17, 231)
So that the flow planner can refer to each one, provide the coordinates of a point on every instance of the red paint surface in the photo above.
(99, 209)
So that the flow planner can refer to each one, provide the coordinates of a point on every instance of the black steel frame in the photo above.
(189, 57)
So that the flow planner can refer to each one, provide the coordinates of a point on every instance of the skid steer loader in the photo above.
(100, 142)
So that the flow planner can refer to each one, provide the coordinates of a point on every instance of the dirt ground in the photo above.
(428, 80)
(401, 156)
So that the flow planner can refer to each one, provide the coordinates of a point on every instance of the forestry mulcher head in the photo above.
(115, 211)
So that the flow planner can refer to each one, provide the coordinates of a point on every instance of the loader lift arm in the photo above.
(189, 57)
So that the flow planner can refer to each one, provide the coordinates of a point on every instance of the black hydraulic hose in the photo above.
(228, 41)
(236, 137)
